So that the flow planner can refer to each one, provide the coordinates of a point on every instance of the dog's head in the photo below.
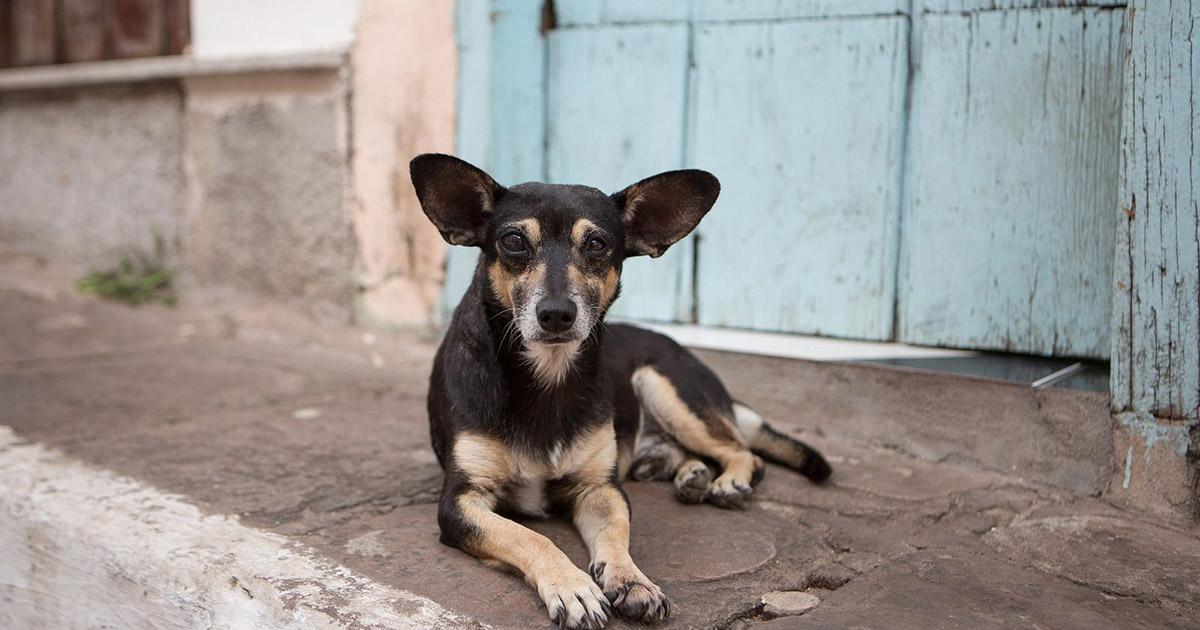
(553, 253)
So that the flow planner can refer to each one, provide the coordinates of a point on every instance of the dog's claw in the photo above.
(631, 596)
(729, 494)
(574, 601)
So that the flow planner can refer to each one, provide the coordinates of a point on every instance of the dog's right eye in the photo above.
(513, 243)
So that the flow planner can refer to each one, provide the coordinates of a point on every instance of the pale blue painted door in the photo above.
(931, 171)
(801, 121)
(616, 99)
(1007, 235)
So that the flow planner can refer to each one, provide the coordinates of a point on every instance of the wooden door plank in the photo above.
(178, 26)
(6, 34)
(501, 106)
(136, 27)
(617, 134)
(962, 6)
(33, 32)
(1156, 314)
(742, 10)
(83, 29)
(802, 123)
(1007, 236)
(634, 11)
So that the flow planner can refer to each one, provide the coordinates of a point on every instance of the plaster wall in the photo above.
(91, 174)
(222, 28)
(402, 103)
(266, 159)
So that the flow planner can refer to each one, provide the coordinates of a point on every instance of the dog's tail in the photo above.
(779, 447)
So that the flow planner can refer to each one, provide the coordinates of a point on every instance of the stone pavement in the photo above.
(315, 434)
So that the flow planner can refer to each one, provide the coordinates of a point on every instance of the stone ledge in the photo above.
(92, 548)
(148, 69)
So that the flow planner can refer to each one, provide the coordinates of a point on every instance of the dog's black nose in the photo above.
(556, 314)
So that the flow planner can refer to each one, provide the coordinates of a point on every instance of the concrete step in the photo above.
(243, 467)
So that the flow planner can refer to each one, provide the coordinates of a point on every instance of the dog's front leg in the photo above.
(469, 522)
(601, 514)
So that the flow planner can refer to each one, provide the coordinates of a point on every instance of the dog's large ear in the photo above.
(457, 197)
(660, 210)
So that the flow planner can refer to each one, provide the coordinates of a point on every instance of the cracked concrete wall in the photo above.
(89, 175)
(267, 161)
(290, 181)
(403, 68)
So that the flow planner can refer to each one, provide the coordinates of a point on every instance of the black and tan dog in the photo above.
(537, 408)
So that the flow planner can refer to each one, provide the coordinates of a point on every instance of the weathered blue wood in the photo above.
(631, 11)
(1155, 372)
(571, 13)
(501, 111)
(801, 122)
(616, 101)
(578, 12)
(958, 6)
(1156, 305)
(740, 10)
(1007, 232)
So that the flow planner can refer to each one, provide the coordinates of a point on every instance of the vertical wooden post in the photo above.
(82, 30)
(6, 34)
(137, 28)
(33, 32)
(1156, 305)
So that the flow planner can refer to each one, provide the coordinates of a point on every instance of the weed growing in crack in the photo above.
(136, 279)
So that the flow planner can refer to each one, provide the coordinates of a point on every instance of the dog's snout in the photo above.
(556, 314)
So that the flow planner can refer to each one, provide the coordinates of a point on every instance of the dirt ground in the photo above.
(317, 432)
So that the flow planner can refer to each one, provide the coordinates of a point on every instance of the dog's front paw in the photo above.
(729, 493)
(573, 600)
(631, 593)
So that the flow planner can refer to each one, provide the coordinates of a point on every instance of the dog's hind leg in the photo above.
(712, 436)
(779, 447)
(660, 458)
(656, 458)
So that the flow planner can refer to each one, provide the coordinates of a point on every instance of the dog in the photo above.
(538, 408)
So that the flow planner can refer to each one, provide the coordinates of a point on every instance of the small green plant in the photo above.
(136, 280)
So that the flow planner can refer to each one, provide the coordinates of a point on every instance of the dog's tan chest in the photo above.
(520, 478)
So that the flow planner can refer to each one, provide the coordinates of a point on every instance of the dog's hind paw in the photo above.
(574, 601)
(632, 595)
(692, 481)
(729, 493)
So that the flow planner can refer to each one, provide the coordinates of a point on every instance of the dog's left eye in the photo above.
(513, 243)
(595, 245)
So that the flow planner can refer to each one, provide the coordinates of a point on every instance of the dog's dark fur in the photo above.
(536, 407)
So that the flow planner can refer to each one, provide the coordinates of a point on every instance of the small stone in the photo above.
(306, 413)
(376, 360)
(780, 603)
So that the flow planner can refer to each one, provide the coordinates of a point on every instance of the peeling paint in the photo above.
(1128, 468)
(1152, 432)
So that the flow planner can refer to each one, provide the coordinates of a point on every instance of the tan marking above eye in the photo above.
(533, 231)
(580, 230)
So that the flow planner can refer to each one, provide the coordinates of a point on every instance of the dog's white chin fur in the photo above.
(551, 362)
